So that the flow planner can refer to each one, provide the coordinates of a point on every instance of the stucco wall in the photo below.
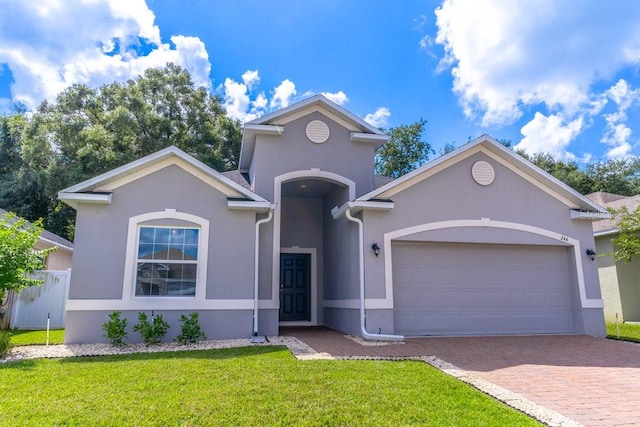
(608, 274)
(101, 239)
(292, 151)
(452, 194)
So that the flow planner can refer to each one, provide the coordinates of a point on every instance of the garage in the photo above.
(481, 289)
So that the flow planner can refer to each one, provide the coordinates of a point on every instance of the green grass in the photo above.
(251, 386)
(628, 332)
(18, 337)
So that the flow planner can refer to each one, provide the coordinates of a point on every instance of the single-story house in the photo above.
(476, 242)
(619, 280)
(60, 259)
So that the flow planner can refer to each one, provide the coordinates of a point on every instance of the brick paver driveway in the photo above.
(594, 381)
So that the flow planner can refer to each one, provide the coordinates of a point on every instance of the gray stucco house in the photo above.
(476, 242)
(619, 281)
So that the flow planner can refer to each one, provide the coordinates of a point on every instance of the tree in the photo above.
(18, 258)
(404, 151)
(627, 244)
(88, 131)
(568, 172)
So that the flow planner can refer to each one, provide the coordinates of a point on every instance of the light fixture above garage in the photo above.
(591, 254)
(376, 249)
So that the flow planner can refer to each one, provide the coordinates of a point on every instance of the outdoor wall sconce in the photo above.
(376, 249)
(591, 254)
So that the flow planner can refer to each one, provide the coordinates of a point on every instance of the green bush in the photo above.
(5, 342)
(115, 329)
(190, 331)
(152, 333)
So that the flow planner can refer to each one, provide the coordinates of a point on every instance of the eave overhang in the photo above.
(357, 206)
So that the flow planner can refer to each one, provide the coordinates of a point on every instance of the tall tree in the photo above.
(88, 131)
(405, 150)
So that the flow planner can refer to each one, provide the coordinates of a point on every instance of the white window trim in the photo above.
(131, 257)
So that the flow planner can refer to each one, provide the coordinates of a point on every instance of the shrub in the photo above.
(152, 333)
(190, 331)
(5, 342)
(115, 329)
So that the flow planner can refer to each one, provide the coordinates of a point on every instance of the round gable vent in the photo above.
(317, 131)
(483, 173)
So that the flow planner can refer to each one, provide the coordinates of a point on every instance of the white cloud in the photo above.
(50, 45)
(251, 78)
(378, 118)
(283, 94)
(546, 55)
(236, 100)
(550, 134)
(339, 97)
(617, 133)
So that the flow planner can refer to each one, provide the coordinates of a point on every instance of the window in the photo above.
(167, 261)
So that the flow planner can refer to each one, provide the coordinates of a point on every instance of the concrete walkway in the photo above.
(594, 381)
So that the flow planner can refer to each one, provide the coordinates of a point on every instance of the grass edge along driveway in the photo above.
(240, 386)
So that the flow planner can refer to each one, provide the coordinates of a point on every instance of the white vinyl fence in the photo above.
(32, 305)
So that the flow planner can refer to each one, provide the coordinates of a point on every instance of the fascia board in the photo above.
(358, 206)
(250, 205)
(95, 198)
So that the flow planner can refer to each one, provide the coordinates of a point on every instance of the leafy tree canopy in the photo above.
(405, 150)
(88, 131)
(627, 244)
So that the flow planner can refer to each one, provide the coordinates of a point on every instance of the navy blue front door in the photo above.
(295, 287)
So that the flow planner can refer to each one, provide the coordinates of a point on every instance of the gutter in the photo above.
(255, 338)
(363, 327)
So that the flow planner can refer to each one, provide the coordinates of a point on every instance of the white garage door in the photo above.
(472, 289)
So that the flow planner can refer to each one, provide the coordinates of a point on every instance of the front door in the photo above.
(295, 287)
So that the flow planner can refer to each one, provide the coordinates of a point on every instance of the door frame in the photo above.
(313, 285)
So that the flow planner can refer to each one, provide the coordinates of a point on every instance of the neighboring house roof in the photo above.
(616, 201)
(51, 238)
(273, 124)
(98, 189)
(504, 156)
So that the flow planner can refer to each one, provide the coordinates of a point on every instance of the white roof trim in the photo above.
(143, 163)
(56, 244)
(320, 100)
(250, 205)
(368, 137)
(72, 199)
(264, 129)
(358, 206)
(606, 232)
(498, 152)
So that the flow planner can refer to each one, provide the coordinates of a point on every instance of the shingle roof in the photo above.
(51, 237)
(238, 177)
(616, 202)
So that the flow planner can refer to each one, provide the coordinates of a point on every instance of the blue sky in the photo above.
(556, 76)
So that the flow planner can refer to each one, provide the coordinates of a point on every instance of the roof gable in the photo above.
(98, 189)
(504, 156)
(274, 123)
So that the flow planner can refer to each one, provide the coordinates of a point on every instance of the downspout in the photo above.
(363, 327)
(255, 338)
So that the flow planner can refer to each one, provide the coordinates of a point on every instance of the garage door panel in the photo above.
(481, 289)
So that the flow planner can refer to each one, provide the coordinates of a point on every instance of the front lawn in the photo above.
(19, 337)
(628, 331)
(240, 386)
